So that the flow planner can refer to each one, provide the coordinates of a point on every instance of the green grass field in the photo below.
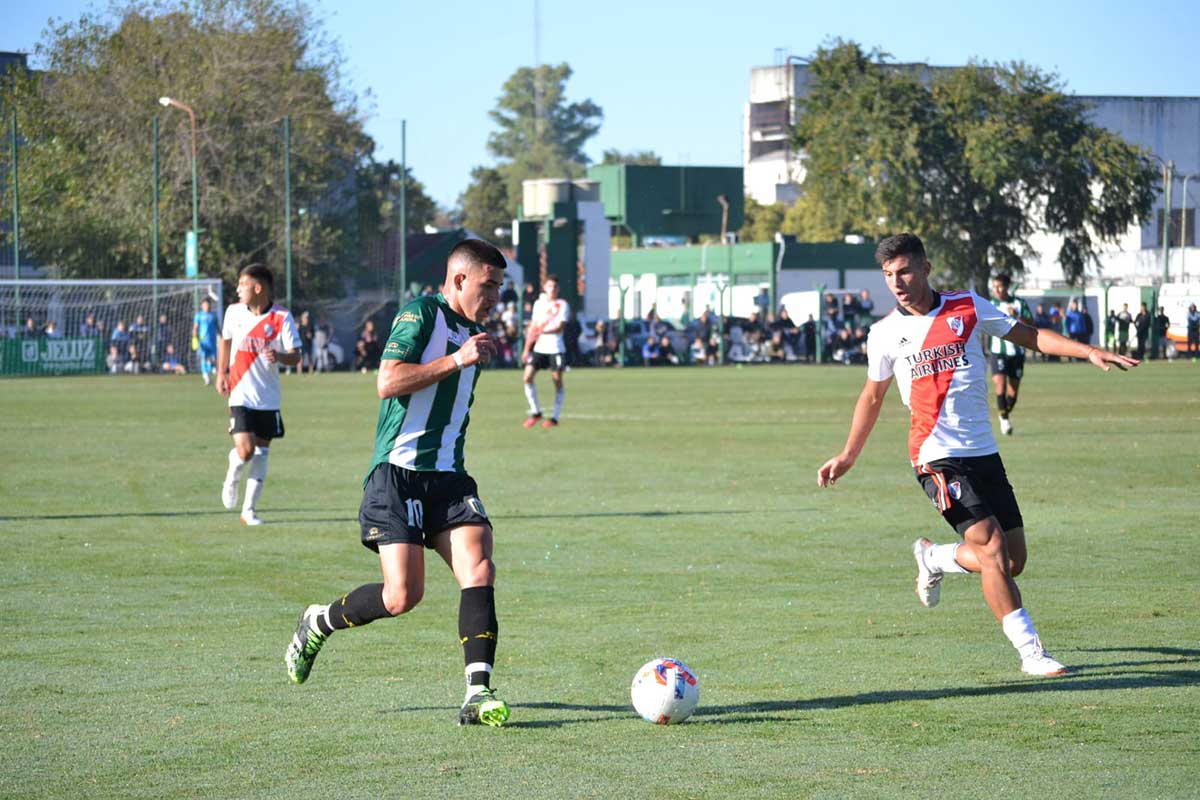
(675, 512)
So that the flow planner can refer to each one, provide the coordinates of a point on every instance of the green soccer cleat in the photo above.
(305, 644)
(483, 708)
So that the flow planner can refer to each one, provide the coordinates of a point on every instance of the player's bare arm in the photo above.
(288, 358)
(866, 414)
(399, 378)
(223, 348)
(1047, 341)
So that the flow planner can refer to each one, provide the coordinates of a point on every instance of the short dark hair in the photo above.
(261, 274)
(477, 252)
(1003, 278)
(551, 277)
(902, 244)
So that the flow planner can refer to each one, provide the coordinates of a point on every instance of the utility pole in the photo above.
(287, 205)
(403, 209)
(154, 229)
(16, 183)
(1168, 179)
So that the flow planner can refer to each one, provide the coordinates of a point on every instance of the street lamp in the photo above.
(192, 245)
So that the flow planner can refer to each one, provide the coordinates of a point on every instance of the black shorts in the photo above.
(968, 490)
(551, 361)
(263, 424)
(400, 506)
(1012, 366)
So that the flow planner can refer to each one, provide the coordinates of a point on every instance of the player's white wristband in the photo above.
(457, 359)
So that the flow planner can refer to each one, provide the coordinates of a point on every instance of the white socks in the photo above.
(941, 556)
(255, 477)
(1020, 631)
(472, 668)
(531, 396)
(558, 401)
(236, 465)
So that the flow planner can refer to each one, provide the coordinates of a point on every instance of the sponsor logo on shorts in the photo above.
(475, 505)
(373, 534)
(956, 490)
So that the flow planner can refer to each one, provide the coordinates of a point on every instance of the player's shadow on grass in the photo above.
(350, 519)
(1081, 680)
(154, 514)
(784, 710)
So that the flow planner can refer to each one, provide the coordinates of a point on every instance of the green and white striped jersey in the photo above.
(1018, 309)
(425, 431)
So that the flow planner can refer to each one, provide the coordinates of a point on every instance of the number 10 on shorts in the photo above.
(416, 514)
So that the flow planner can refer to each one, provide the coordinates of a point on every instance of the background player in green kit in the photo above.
(1008, 359)
(417, 494)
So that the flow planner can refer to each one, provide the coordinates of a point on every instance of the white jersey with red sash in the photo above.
(938, 363)
(253, 382)
(547, 312)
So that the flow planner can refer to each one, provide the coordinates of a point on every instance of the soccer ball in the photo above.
(665, 691)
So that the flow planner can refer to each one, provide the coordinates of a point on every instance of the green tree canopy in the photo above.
(975, 163)
(485, 204)
(761, 222)
(242, 65)
(540, 134)
(645, 158)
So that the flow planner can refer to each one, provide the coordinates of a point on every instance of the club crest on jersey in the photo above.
(269, 329)
(955, 489)
(956, 325)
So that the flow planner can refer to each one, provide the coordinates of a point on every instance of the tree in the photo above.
(976, 162)
(761, 222)
(242, 65)
(540, 135)
(647, 158)
(485, 204)
(379, 200)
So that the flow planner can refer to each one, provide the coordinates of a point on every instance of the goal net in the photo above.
(52, 327)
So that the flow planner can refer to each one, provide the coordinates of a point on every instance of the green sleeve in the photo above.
(411, 330)
(1026, 314)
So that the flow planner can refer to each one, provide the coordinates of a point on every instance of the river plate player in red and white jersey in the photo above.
(256, 337)
(545, 348)
(930, 346)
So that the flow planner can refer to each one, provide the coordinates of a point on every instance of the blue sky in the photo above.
(672, 76)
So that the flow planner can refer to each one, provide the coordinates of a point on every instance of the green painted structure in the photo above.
(671, 201)
(752, 262)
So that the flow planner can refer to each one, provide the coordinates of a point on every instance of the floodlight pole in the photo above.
(16, 184)
(167, 101)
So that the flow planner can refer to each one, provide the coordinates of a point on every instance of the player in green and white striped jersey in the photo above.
(1008, 359)
(417, 494)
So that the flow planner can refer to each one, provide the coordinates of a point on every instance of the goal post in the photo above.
(57, 327)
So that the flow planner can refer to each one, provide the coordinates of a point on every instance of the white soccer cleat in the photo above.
(250, 518)
(929, 581)
(1005, 426)
(1040, 663)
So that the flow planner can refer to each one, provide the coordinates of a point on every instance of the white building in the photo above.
(1168, 127)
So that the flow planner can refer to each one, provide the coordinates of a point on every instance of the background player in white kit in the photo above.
(545, 339)
(257, 336)
(929, 347)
